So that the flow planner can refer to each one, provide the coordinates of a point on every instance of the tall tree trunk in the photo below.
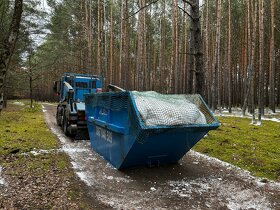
(184, 50)
(144, 57)
(86, 28)
(244, 57)
(30, 77)
(162, 82)
(105, 40)
(30, 88)
(196, 84)
(121, 44)
(199, 70)
(90, 36)
(190, 71)
(218, 61)
(251, 57)
(141, 45)
(124, 45)
(99, 71)
(7, 46)
(126, 72)
(82, 37)
(207, 54)
(216, 80)
(261, 57)
(247, 79)
(229, 59)
(272, 58)
(175, 44)
(254, 32)
(110, 73)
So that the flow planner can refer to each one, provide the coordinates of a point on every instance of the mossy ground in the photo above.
(22, 130)
(254, 148)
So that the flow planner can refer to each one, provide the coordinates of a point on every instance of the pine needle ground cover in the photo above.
(254, 148)
(37, 174)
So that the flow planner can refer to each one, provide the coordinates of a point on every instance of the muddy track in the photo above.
(196, 182)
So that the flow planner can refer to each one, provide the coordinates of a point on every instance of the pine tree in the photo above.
(272, 58)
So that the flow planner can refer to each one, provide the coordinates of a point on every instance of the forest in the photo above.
(66, 145)
(227, 51)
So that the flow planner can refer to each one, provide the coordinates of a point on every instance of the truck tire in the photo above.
(58, 118)
(59, 115)
(65, 125)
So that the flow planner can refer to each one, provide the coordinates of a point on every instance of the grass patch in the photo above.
(23, 129)
(40, 181)
(254, 148)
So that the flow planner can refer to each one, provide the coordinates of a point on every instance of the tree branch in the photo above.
(35, 78)
(189, 3)
(147, 5)
(185, 12)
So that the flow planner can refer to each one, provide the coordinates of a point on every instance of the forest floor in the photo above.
(34, 172)
(251, 147)
(268, 115)
(196, 182)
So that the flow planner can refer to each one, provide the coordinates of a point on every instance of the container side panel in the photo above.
(161, 148)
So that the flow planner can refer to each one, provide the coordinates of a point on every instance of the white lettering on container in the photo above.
(104, 134)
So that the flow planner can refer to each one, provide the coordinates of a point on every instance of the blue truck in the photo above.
(130, 128)
(70, 113)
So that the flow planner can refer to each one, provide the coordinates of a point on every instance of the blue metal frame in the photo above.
(122, 138)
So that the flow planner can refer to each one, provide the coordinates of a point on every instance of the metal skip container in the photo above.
(146, 128)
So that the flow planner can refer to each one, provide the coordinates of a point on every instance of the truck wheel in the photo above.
(65, 126)
(58, 118)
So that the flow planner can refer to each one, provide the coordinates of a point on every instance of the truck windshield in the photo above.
(81, 84)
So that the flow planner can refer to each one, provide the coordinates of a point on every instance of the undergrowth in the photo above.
(254, 148)
(22, 129)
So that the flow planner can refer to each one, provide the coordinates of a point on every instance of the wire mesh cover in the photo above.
(158, 109)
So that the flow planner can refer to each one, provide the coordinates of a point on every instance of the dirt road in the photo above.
(196, 182)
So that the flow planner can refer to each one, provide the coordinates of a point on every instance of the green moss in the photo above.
(24, 129)
(62, 164)
(254, 148)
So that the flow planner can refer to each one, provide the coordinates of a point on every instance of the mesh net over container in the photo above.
(164, 110)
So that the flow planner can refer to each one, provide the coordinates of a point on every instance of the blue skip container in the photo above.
(118, 132)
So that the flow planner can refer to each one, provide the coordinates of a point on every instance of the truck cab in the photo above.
(71, 107)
